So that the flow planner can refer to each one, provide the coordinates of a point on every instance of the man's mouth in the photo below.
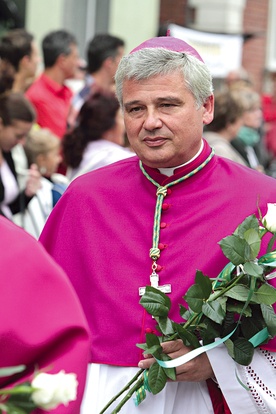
(154, 142)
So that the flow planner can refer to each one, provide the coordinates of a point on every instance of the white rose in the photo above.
(55, 389)
(269, 220)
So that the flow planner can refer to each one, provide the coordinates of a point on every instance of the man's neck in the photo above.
(170, 170)
(55, 75)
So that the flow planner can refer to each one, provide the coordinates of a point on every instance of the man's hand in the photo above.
(198, 369)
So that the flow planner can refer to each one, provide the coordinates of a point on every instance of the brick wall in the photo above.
(255, 21)
(254, 51)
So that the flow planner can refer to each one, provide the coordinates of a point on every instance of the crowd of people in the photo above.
(151, 118)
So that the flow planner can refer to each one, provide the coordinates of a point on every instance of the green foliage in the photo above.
(236, 307)
(238, 303)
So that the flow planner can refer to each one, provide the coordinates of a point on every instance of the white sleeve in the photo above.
(259, 377)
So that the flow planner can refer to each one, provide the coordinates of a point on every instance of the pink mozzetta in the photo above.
(170, 43)
(100, 232)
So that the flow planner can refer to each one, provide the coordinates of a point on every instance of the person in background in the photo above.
(269, 115)
(42, 148)
(98, 137)
(19, 51)
(17, 116)
(42, 323)
(248, 141)
(20, 58)
(49, 95)
(104, 53)
(238, 78)
(111, 231)
(228, 119)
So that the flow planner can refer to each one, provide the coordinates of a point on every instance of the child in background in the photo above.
(42, 148)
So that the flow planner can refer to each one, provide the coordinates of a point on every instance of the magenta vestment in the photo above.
(42, 324)
(100, 232)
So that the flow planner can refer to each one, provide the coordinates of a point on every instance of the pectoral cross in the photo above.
(154, 282)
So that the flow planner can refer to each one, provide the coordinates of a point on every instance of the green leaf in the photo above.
(238, 307)
(142, 346)
(185, 313)
(251, 326)
(243, 351)
(153, 350)
(152, 340)
(170, 372)
(165, 325)
(188, 338)
(194, 297)
(235, 249)
(253, 269)
(12, 409)
(251, 222)
(269, 318)
(155, 302)
(266, 294)
(252, 237)
(230, 347)
(238, 292)
(208, 330)
(5, 372)
(214, 311)
(205, 283)
(157, 378)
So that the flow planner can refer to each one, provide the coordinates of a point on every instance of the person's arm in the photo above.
(42, 323)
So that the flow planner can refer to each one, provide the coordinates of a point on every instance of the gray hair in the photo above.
(148, 62)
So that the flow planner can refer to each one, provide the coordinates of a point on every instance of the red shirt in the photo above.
(269, 115)
(52, 102)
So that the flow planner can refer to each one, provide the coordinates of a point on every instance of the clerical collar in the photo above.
(170, 170)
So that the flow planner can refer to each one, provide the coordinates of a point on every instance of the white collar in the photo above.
(170, 170)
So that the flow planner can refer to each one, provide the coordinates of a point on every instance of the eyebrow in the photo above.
(158, 100)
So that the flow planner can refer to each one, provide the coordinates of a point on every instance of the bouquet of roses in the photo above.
(46, 391)
(235, 307)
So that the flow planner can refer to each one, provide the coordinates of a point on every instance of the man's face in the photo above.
(70, 62)
(163, 124)
(34, 60)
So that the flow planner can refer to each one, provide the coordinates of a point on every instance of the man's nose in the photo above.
(152, 121)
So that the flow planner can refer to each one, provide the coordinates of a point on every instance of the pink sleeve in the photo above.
(42, 322)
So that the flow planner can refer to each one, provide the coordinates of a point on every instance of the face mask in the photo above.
(248, 136)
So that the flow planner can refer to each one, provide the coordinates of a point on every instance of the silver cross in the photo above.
(154, 282)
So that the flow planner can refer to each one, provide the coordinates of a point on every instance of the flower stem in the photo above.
(135, 387)
(126, 387)
(270, 244)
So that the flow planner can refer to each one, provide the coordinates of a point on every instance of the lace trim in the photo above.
(263, 393)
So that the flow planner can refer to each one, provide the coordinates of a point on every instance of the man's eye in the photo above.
(135, 109)
(167, 105)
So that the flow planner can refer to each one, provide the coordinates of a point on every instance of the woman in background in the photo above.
(98, 138)
(228, 119)
(16, 119)
(42, 148)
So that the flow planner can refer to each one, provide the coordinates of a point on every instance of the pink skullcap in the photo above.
(170, 43)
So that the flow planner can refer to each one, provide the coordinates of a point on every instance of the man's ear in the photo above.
(208, 110)
(24, 61)
(108, 62)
